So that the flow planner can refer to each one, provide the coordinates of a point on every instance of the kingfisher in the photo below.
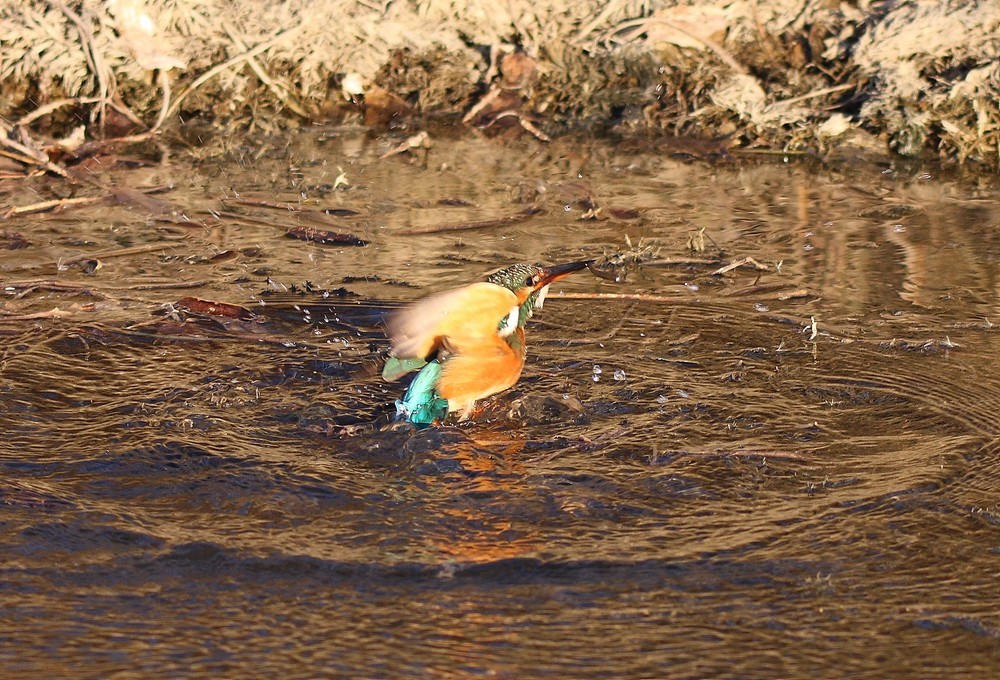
(468, 343)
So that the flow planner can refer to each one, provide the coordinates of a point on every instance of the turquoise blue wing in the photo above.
(395, 368)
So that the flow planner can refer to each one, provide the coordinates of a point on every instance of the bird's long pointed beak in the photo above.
(559, 271)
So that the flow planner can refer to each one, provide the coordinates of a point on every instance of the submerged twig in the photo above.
(121, 195)
(779, 289)
(54, 313)
(741, 453)
(325, 237)
(736, 264)
(122, 252)
(683, 262)
(293, 207)
(46, 206)
(29, 286)
(642, 297)
(30, 156)
(469, 226)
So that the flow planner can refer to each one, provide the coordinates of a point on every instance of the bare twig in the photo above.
(219, 68)
(164, 79)
(585, 30)
(29, 118)
(278, 89)
(818, 93)
(31, 156)
(96, 62)
(482, 103)
(643, 25)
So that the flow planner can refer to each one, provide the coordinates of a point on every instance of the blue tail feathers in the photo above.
(422, 405)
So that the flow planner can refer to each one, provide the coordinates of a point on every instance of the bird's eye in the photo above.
(529, 282)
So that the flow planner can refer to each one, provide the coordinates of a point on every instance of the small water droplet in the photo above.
(597, 373)
(619, 374)
(661, 399)
(760, 307)
(691, 286)
(567, 207)
(807, 246)
(683, 394)
(899, 228)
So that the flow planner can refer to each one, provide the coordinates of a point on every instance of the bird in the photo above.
(467, 343)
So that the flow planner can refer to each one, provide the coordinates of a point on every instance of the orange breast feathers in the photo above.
(480, 372)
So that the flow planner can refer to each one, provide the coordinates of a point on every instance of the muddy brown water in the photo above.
(690, 480)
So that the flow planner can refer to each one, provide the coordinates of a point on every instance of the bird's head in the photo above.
(530, 283)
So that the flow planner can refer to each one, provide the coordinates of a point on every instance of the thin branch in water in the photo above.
(53, 205)
(736, 264)
(122, 252)
(470, 226)
(29, 156)
(54, 313)
(683, 262)
(641, 297)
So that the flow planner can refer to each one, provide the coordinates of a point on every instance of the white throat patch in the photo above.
(540, 300)
(509, 323)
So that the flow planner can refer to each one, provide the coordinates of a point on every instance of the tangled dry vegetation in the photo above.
(917, 76)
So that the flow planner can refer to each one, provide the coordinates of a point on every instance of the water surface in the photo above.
(691, 479)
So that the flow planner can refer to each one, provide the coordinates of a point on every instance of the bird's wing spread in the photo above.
(458, 318)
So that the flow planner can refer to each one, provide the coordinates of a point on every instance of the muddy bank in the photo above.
(915, 78)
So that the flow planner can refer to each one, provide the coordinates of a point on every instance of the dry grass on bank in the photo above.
(788, 74)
